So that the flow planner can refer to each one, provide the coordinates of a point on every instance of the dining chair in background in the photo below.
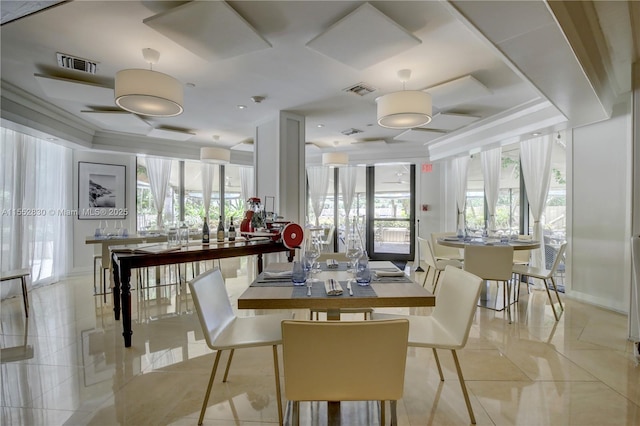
(224, 331)
(448, 325)
(492, 263)
(326, 242)
(444, 252)
(438, 265)
(322, 372)
(546, 275)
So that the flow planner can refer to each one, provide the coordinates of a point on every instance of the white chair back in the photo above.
(344, 360)
(522, 256)
(457, 298)
(444, 252)
(558, 259)
(489, 262)
(212, 304)
(426, 252)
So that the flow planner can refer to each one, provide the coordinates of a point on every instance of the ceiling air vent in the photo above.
(360, 89)
(77, 64)
(350, 132)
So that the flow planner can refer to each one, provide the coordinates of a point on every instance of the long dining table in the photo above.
(127, 257)
(383, 292)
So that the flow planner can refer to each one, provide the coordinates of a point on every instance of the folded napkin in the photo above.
(276, 275)
(390, 273)
(332, 264)
(332, 287)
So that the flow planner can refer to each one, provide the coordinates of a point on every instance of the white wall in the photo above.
(600, 222)
(430, 190)
(83, 253)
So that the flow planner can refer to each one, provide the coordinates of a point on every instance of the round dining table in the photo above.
(516, 244)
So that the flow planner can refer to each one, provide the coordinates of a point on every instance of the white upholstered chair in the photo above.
(444, 252)
(492, 263)
(546, 275)
(449, 324)
(316, 363)
(438, 265)
(224, 331)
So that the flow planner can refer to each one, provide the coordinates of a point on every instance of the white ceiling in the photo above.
(300, 55)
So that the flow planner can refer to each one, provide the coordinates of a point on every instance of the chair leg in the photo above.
(295, 420)
(463, 386)
(553, 308)
(226, 370)
(507, 298)
(435, 355)
(555, 288)
(25, 296)
(383, 419)
(436, 279)
(277, 374)
(208, 393)
(394, 412)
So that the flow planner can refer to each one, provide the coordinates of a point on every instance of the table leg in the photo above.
(116, 290)
(259, 263)
(125, 278)
(333, 413)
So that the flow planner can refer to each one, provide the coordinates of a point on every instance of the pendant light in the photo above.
(405, 109)
(214, 154)
(148, 92)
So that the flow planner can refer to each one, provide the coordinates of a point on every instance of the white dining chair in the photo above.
(316, 360)
(546, 275)
(448, 325)
(444, 252)
(438, 265)
(492, 263)
(224, 331)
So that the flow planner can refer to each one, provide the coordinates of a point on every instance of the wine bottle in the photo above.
(220, 232)
(232, 230)
(205, 232)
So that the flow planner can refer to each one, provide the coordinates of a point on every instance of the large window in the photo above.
(186, 177)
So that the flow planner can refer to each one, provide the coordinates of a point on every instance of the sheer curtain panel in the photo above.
(459, 167)
(348, 177)
(491, 165)
(318, 186)
(535, 157)
(246, 183)
(159, 172)
(207, 184)
(36, 178)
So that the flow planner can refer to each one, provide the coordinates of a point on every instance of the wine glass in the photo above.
(311, 253)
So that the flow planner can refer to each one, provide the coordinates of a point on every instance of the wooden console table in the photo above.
(124, 259)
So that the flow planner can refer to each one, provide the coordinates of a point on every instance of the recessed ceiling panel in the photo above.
(75, 90)
(450, 121)
(363, 38)
(122, 121)
(210, 29)
(176, 135)
(456, 92)
(419, 135)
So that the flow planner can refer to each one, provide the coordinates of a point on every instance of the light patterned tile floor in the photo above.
(68, 366)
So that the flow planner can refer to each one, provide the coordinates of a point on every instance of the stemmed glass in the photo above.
(311, 253)
(353, 251)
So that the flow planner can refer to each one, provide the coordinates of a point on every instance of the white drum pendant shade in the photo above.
(215, 155)
(335, 159)
(148, 92)
(404, 110)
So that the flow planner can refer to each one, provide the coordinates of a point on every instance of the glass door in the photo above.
(390, 211)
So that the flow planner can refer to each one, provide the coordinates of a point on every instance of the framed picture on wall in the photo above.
(101, 191)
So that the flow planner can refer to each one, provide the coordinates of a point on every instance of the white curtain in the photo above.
(159, 173)
(246, 183)
(491, 165)
(348, 176)
(535, 157)
(318, 186)
(207, 171)
(36, 182)
(459, 167)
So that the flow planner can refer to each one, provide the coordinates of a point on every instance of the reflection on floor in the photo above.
(69, 366)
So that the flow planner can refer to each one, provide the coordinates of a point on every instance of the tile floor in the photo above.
(68, 366)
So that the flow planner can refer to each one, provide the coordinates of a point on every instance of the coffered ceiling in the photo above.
(497, 71)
